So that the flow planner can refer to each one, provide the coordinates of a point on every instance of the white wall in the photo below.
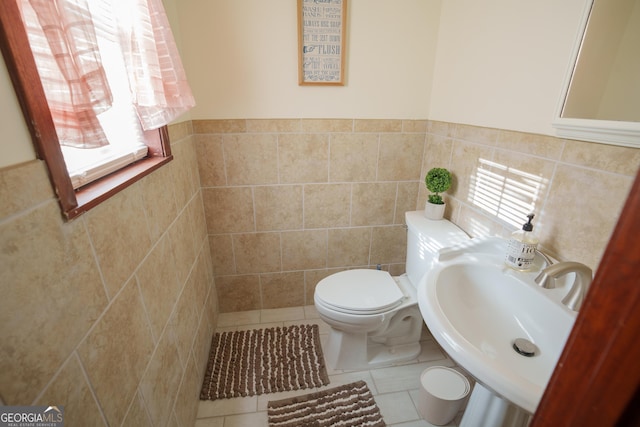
(502, 63)
(241, 59)
(15, 142)
(495, 63)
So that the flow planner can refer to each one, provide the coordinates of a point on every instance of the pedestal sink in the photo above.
(476, 308)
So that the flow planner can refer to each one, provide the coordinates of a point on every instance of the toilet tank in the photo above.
(425, 237)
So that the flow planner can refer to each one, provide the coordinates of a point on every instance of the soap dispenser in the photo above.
(522, 247)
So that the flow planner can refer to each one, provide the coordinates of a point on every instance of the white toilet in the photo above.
(374, 318)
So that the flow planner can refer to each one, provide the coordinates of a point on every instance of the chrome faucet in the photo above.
(573, 298)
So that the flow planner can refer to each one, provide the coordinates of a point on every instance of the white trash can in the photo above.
(442, 393)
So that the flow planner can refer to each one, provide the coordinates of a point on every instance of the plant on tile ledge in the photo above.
(438, 180)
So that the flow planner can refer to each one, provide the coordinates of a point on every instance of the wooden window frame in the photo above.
(24, 75)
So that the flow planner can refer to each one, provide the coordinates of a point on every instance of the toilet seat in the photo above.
(359, 291)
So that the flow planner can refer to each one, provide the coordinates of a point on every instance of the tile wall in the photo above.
(111, 314)
(290, 201)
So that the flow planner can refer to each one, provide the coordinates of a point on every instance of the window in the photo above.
(96, 96)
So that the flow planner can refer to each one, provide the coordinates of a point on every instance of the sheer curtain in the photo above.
(65, 48)
(62, 34)
(110, 70)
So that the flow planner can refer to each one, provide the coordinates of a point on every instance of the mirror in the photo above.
(601, 102)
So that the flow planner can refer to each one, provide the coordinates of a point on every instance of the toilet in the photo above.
(374, 317)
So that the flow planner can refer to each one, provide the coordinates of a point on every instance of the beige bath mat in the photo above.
(246, 363)
(347, 405)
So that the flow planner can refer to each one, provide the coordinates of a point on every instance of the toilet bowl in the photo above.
(374, 318)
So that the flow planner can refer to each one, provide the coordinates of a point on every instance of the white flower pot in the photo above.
(434, 212)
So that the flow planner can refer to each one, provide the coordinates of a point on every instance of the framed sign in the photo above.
(321, 39)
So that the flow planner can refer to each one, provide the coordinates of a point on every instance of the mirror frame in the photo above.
(603, 131)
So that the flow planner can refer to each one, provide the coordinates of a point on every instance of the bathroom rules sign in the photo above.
(321, 37)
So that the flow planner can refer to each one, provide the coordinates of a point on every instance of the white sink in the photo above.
(476, 307)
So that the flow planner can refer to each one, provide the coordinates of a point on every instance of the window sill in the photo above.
(98, 191)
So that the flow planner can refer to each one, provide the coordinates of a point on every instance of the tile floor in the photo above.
(395, 388)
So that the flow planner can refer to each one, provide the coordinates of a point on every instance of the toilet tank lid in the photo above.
(441, 232)
(360, 290)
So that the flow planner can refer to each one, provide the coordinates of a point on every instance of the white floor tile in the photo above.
(257, 419)
(282, 314)
(395, 388)
(397, 407)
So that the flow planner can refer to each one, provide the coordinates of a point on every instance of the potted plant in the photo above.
(438, 180)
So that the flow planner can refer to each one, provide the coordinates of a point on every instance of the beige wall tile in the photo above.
(257, 252)
(137, 414)
(303, 250)
(327, 205)
(528, 143)
(388, 245)
(373, 203)
(70, 389)
(623, 160)
(327, 125)
(116, 352)
(377, 125)
(104, 346)
(581, 233)
(349, 247)
(303, 158)
(478, 135)
(220, 126)
(278, 207)
(228, 209)
(467, 161)
(282, 289)
(353, 157)
(210, 160)
(274, 125)
(184, 320)
(441, 128)
(159, 284)
(112, 227)
(400, 157)
(184, 171)
(182, 245)
(406, 200)
(222, 254)
(239, 293)
(414, 126)
(187, 399)
(46, 307)
(198, 221)
(158, 384)
(437, 154)
(159, 201)
(180, 130)
(22, 186)
(202, 343)
(251, 159)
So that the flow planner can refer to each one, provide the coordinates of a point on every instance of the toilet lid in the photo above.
(363, 291)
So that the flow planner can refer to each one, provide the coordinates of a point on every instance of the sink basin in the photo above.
(476, 308)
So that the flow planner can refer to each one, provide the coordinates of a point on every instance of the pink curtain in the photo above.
(64, 43)
(158, 80)
(63, 38)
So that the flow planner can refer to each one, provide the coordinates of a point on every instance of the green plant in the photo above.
(438, 180)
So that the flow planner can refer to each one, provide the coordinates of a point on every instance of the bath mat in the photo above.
(347, 405)
(258, 361)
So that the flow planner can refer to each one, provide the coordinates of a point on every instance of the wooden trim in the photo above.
(24, 75)
(597, 377)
